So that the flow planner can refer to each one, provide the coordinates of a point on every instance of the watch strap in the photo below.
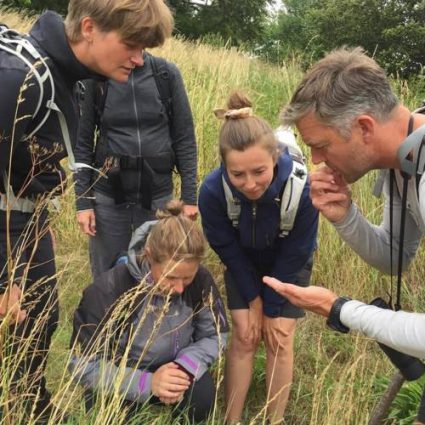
(334, 321)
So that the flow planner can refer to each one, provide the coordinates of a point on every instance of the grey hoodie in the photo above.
(181, 329)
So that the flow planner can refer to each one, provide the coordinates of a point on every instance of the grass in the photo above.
(336, 377)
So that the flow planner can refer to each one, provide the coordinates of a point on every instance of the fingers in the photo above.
(191, 211)
(322, 182)
(17, 314)
(326, 198)
(172, 379)
(277, 285)
(10, 304)
(292, 292)
(87, 222)
(92, 225)
(171, 400)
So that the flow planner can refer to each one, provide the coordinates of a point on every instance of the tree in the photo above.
(240, 22)
(38, 6)
(390, 30)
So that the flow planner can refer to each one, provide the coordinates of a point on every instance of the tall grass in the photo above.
(337, 378)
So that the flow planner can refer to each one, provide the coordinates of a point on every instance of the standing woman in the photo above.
(139, 132)
(256, 172)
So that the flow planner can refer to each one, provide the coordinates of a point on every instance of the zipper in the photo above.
(139, 140)
(254, 218)
(176, 338)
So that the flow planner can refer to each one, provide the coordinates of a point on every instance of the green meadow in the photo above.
(338, 379)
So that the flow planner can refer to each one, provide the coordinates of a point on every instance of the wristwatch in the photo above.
(334, 321)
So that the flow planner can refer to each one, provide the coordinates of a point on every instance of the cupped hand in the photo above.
(330, 193)
(169, 382)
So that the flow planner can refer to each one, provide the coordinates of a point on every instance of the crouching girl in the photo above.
(245, 228)
(149, 329)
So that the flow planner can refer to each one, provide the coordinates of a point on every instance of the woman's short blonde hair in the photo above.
(145, 22)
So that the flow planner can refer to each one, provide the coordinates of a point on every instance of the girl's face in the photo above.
(172, 276)
(250, 171)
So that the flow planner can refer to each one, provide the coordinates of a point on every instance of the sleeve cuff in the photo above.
(348, 311)
(189, 365)
(84, 203)
(145, 385)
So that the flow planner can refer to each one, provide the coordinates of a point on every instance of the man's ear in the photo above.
(87, 27)
(367, 126)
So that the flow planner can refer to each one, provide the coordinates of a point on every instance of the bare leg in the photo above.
(279, 339)
(239, 363)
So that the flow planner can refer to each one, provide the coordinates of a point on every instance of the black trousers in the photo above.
(198, 400)
(32, 264)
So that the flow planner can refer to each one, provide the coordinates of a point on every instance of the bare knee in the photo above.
(241, 344)
(279, 336)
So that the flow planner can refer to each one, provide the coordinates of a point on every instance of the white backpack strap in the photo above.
(233, 204)
(73, 166)
(291, 197)
(13, 43)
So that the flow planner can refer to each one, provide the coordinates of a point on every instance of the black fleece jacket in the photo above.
(134, 122)
(35, 163)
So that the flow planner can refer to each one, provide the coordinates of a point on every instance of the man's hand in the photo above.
(87, 222)
(191, 211)
(169, 383)
(255, 320)
(330, 193)
(10, 303)
(314, 298)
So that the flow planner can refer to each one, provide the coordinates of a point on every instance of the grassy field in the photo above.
(337, 378)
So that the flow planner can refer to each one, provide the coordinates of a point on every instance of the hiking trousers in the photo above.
(26, 346)
(115, 225)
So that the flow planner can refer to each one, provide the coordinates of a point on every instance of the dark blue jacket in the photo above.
(255, 249)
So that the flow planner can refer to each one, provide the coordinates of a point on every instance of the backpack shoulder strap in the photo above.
(15, 44)
(291, 196)
(161, 75)
(233, 204)
(100, 93)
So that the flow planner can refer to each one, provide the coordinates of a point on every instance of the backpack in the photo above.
(291, 193)
(17, 45)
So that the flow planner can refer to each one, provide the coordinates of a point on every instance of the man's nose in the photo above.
(316, 156)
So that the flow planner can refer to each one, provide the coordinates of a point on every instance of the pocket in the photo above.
(162, 163)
